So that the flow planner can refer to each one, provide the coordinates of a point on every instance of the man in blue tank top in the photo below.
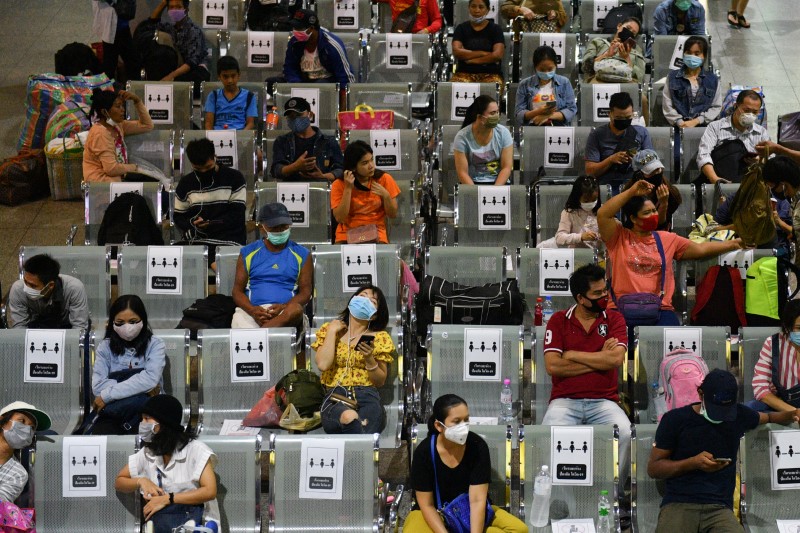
(273, 275)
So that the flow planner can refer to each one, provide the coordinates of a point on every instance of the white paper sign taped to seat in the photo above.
(685, 337)
(164, 269)
(225, 147)
(121, 187)
(463, 96)
(345, 15)
(494, 207)
(556, 265)
(260, 49)
(215, 14)
(601, 95)
(559, 147)
(321, 469)
(676, 62)
(249, 355)
(494, 10)
(83, 467)
(159, 102)
(788, 526)
(601, 9)
(558, 42)
(399, 50)
(741, 259)
(312, 97)
(386, 149)
(359, 266)
(572, 455)
(784, 450)
(483, 354)
(234, 428)
(573, 525)
(44, 356)
(296, 197)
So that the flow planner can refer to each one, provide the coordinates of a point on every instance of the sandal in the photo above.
(743, 22)
(735, 20)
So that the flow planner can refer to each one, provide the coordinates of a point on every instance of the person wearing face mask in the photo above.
(578, 225)
(483, 148)
(46, 299)
(189, 40)
(678, 17)
(695, 453)
(172, 471)
(453, 461)
(314, 54)
(692, 94)
(641, 256)
(546, 98)
(742, 126)
(610, 148)
(18, 422)
(273, 275)
(667, 198)
(584, 348)
(128, 367)
(305, 154)
(479, 46)
(105, 156)
(354, 352)
(210, 201)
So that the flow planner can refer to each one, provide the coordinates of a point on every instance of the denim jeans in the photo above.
(572, 412)
(369, 410)
(176, 515)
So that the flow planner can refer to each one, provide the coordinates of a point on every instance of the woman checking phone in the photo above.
(354, 353)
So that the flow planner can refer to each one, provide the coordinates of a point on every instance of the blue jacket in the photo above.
(332, 57)
(681, 92)
(565, 99)
(106, 362)
(665, 22)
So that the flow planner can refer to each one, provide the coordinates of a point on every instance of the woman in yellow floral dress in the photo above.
(354, 354)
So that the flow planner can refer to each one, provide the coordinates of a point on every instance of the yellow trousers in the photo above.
(504, 522)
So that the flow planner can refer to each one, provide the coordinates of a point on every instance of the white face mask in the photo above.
(147, 430)
(457, 433)
(747, 119)
(33, 294)
(129, 332)
(19, 435)
(588, 206)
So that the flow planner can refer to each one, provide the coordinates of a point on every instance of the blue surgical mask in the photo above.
(546, 75)
(794, 336)
(692, 62)
(279, 237)
(299, 124)
(361, 307)
(705, 413)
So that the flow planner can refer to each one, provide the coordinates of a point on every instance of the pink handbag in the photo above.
(363, 117)
(16, 520)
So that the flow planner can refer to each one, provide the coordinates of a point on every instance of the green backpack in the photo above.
(303, 389)
(767, 290)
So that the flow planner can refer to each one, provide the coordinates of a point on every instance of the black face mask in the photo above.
(656, 180)
(623, 123)
(598, 304)
(205, 175)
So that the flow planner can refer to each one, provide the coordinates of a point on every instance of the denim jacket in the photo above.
(565, 99)
(666, 23)
(681, 94)
(153, 362)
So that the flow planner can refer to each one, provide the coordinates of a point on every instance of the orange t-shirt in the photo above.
(365, 207)
(636, 264)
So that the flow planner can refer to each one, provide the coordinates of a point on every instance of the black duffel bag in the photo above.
(444, 302)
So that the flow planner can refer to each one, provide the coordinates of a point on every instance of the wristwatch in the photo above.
(171, 498)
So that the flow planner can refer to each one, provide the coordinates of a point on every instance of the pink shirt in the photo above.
(637, 264)
(788, 367)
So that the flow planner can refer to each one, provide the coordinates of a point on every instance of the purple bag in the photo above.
(643, 308)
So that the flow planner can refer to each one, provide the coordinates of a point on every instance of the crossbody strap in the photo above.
(435, 476)
(663, 261)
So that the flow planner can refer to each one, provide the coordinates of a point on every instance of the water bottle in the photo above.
(604, 513)
(272, 118)
(540, 510)
(537, 313)
(547, 310)
(659, 402)
(506, 403)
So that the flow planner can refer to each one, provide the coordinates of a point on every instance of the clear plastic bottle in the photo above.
(540, 509)
(604, 513)
(547, 310)
(506, 403)
(537, 313)
(659, 402)
(272, 118)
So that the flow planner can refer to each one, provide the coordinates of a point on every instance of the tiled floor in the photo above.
(35, 29)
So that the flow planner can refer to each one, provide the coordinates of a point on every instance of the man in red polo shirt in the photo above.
(584, 347)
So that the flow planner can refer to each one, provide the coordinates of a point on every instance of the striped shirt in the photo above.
(13, 477)
(722, 130)
(788, 369)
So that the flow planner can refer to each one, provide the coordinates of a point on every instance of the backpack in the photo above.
(680, 373)
(730, 160)
(729, 102)
(751, 209)
(620, 13)
(720, 299)
(301, 388)
(77, 59)
(213, 312)
(23, 177)
(445, 302)
(128, 220)
(767, 290)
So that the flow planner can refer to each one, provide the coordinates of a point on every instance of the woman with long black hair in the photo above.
(483, 148)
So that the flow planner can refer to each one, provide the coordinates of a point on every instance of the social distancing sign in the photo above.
(215, 14)
(556, 265)
(463, 96)
(359, 266)
(83, 467)
(483, 354)
(159, 100)
(494, 207)
(684, 338)
(572, 455)
(601, 99)
(296, 197)
(321, 469)
(121, 187)
(559, 146)
(249, 349)
(399, 49)
(44, 356)
(260, 49)
(164, 270)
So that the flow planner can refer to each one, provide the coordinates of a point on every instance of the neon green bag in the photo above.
(761, 294)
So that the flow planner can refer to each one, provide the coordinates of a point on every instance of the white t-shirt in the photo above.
(311, 66)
